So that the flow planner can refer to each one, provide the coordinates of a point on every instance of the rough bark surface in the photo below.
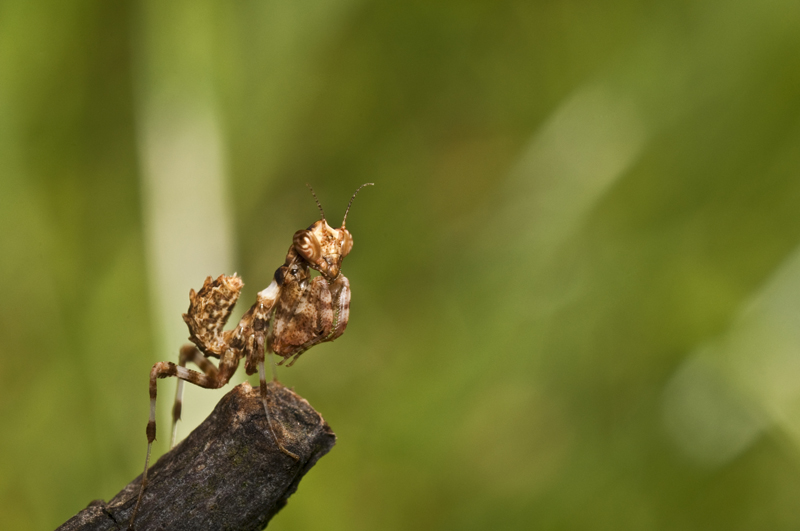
(227, 474)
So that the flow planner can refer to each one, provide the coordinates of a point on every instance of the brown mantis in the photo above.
(291, 315)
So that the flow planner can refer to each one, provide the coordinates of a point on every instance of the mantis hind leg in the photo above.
(188, 353)
(165, 369)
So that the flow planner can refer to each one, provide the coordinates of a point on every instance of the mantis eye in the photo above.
(347, 242)
(307, 246)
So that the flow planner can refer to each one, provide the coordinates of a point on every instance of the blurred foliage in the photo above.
(572, 201)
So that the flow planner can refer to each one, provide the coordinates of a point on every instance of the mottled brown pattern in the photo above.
(209, 310)
(303, 312)
(302, 319)
(191, 353)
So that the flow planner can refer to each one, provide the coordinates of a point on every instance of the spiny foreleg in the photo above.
(321, 316)
(209, 310)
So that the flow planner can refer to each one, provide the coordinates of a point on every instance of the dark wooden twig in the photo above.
(227, 474)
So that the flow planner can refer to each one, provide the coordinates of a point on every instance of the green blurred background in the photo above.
(576, 282)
